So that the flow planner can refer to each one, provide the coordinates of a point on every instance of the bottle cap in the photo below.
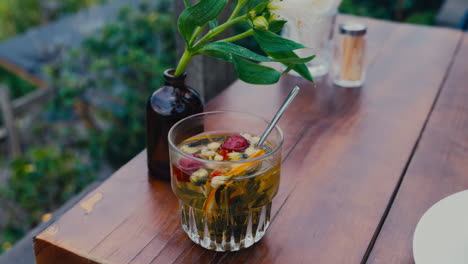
(353, 28)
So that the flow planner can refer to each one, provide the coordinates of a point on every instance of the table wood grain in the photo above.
(439, 167)
(344, 155)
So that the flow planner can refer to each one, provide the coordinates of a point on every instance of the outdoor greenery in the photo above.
(97, 117)
(21, 86)
(410, 11)
(113, 74)
(17, 16)
(42, 180)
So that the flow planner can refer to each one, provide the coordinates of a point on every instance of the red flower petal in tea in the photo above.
(216, 173)
(224, 153)
(236, 143)
(180, 175)
(190, 165)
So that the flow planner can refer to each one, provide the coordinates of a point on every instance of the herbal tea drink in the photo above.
(225, 206)
(224, 182)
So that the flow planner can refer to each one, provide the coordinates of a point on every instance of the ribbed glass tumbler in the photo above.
(230, 209)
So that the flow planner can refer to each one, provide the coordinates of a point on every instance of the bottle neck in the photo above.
(174, 80)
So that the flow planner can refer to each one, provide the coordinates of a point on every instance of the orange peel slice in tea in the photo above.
(210, 202)
(199, 138)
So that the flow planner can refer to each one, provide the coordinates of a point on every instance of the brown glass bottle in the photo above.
(169, 104)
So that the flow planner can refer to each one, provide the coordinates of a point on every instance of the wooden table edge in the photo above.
(44, 251)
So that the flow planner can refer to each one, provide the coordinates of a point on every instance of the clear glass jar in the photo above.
(348, 64)
(316, 33)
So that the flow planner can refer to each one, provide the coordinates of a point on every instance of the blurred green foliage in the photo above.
(17, 16)
(410, 11)
(111, 76)
(42, 179)
(45, 177)
(18, 86)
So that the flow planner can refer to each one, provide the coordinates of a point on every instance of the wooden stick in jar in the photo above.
(353, 58)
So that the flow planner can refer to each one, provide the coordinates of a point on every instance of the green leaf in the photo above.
(254, 73)
(235, 49)
(270, 42)
(219, 55)
(295, 59)
(303, 71)
(198, 15)
(241, 3)
(276, 25)
(213, 23)
(221, 50)
(299, 68)
(260, 7)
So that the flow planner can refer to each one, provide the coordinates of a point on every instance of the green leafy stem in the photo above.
(263, 26)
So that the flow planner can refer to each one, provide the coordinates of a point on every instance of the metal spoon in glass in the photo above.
(278, 115)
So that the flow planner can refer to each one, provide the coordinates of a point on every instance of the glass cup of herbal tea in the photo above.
(224, 182)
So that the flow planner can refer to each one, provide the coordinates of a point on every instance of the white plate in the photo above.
(441, 236)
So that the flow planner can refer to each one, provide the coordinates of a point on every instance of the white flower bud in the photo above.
(218, 181)
(199, 177)
(201, 173)
(261, 22)
(235, 156)
(252, 140)
(206, 152)
(189, 150)
(250, 151)
(246, 136)
(252, 14)
(214, 145)
(218, 157)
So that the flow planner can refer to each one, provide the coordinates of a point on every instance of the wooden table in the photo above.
(360, 167)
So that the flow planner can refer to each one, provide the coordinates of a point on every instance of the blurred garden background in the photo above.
(94, 122)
